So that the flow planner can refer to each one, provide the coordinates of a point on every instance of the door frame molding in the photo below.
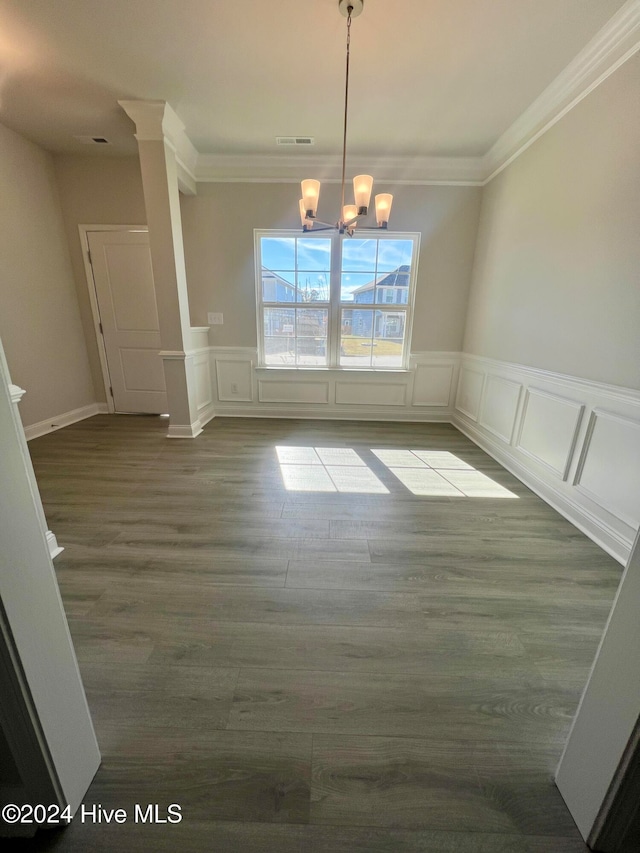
(84, 231)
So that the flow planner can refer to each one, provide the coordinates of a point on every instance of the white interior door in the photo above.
(121, 262)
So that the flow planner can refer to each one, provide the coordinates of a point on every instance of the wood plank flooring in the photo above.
(315, 671)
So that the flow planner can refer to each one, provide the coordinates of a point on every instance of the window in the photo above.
(335, 301)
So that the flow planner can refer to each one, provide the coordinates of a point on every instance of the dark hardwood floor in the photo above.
(319, 671)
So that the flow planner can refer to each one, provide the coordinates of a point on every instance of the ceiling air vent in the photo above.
(92, 140)
(295, 140)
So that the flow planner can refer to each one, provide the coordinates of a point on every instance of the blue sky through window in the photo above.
(362, 260)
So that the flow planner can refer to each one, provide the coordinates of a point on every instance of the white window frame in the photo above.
(335, 305)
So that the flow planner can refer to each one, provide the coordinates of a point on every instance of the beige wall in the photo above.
(557, 273)
(218, 228)
(39, 320)
(96, 191)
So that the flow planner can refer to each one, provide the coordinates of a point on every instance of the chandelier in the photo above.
(362, 184)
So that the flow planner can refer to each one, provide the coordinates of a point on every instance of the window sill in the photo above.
(271, 368)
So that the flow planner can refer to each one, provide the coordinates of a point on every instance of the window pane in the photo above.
(313, 287)
(356, 338)
(388, 338)
(311, 336)
(392, 288)
(279, 336)
(278, 253)
(297, 287)
(357, 287)
(358, 255)
(278, 286)
(314, 254)
(393, 254)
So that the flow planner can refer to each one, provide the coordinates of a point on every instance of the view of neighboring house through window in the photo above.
(335, 301)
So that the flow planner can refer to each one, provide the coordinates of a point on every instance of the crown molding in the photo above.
(613, 45)
(236, 168)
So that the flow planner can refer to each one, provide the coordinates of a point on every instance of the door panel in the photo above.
(123, 277)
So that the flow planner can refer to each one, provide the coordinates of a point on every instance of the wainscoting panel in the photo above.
(204, 396)
(470, 392)
(302, 391)
(371, 393)
(500, 406)
(548, 430)
(421, 393)
(609, 470)
(576, 443)
(234, 380)
(432, 384)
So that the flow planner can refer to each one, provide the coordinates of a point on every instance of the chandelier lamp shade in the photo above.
(362, 184)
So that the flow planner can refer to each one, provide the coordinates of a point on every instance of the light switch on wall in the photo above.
(215, 319)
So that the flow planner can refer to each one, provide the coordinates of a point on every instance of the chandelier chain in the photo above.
(346, 108)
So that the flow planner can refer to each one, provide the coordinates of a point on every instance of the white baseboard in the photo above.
(207, 415)
(63, 420)
(596, 529)
(334, 413)
(574, 442)
(184, 430)
(52, 542)
(192, 430)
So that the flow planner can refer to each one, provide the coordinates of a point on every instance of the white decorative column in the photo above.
(160, 133)
(17, 394)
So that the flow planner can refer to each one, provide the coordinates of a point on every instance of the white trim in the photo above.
(236, 398)
(182, 355)
(321, 412)
(612, 46)
(65, 419)
(174, 355)
(508, 437)
(617, 392)
(334, 305)
(16, 393)
(606, 524)
(52, 542)
(532, 392)
(84, 231)
(595, 528)
(458, 405)
(207, 414)
(157, 121)
(193, 430)
(185, 430)
(239, 168)
(577, 479)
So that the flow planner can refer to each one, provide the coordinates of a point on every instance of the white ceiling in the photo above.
(429, 77)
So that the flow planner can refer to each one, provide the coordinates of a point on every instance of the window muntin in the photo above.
(335, 301)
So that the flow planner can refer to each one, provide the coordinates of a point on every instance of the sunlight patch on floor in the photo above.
(327, 469)
(425, 473)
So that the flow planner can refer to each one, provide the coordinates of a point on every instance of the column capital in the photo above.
(155, 120)
(16, 393)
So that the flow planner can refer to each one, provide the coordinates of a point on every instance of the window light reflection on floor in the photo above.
(327, 469)
(440, 473)
(425, 473)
